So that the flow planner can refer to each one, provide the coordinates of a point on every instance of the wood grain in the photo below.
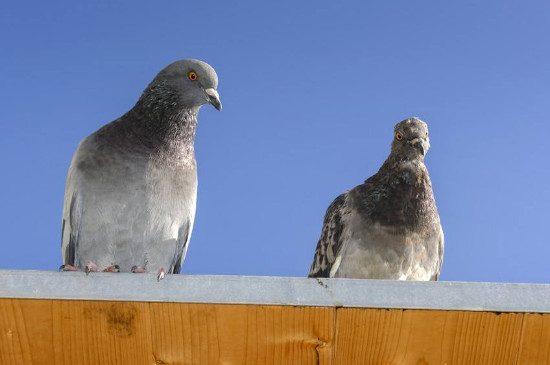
(101, 332)
(74, 332)
(242, 334)
(535, 344)
(420, 337)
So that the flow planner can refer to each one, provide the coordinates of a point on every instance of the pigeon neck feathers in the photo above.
(162, 107)
(399, 194)
(158, 126)
(410, 171)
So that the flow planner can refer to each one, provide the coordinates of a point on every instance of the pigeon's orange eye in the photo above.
(192, 75)
(426, 134)
(398, 136)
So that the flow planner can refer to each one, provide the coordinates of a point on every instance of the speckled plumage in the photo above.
(388, 227)
(131, 189)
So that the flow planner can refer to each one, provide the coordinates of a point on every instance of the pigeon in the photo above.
(131, 189)
(388, 227)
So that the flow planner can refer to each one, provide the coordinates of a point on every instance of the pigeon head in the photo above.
(411, 139)
(194, 83)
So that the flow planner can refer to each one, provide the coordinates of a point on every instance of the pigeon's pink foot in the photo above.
(90, 267)
(138, 270)
(161, 274)
(68, 267)
(112, 268)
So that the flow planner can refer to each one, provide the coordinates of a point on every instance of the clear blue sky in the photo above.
(311, 92)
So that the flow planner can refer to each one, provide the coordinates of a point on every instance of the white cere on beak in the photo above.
(212, 93)
(214, 98)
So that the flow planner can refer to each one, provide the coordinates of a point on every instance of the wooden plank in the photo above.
(241, 334)
(421, 337)
(535, 344)
(14, 340)
(91, 332)
(36, 331)
(69, 332)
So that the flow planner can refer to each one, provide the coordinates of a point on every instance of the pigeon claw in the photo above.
(90, 267)
(112, 268)
(138, 269)
(161, 274)
(68, 267)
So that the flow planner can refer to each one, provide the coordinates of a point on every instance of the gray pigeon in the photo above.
(131, 189)
(388, 227)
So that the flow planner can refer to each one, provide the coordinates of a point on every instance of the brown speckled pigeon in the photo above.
(388, 227)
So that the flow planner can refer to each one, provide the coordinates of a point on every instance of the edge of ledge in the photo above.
(267, 290)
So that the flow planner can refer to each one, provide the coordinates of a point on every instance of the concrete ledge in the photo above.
(352, 293)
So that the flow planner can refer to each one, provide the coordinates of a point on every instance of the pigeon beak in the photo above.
(419, 145)
(214, 98)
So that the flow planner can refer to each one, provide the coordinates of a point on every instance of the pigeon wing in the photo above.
(441, 245)
(330, 243)
(184, 234)
(72, 214)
